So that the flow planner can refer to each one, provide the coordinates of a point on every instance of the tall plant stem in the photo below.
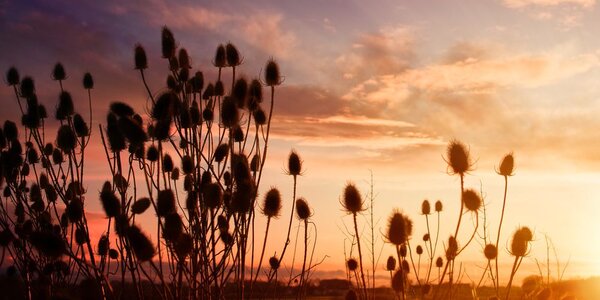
(362, 274)
(499, 229)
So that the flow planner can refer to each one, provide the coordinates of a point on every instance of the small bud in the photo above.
(507, 165)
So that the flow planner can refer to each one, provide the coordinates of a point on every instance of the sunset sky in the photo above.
(370, 86)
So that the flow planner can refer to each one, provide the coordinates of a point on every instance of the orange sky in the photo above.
(378, 87)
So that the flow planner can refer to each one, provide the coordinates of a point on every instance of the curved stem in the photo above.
(499, 229)
(362, 274)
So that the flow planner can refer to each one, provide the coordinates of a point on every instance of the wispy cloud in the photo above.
(524, 3)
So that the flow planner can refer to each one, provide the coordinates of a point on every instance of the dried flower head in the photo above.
(66, 139)
(212, 195)
(81, 128)
(168, 43)
(27, 87)
(398, 281)
(140, 206)
(187, 164)
(65, 106)
(88, 81)
(110, 202)
(419, 250)
(233, 56)
(399, 228)
(165, 203)
(507, 165)
(390, 264)
(139, 57)
(173, 227)
(272, 203)
(121, 109)
(520, 241)
(274, 263)
(272, 76)
(184, 245)
(438, 206)
(140, 243)
(439, 262)
(352, 201)
(352, 264)
(220, 57)
(294, 164)
(116, 139)
(12, 76)
(471, 200)
(229, 112)
(184, 59)
(58, 73)
(451, 248)
(302, 209)
(458, 158)
(490, 251)
(425, 207)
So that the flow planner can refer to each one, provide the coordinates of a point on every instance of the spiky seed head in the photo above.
(243, 195)
(520, 240)
(272, 203)
(110, 202)
(425, 207)
(390, 265)
(405, 266)
(212, 195)
(438, 206)
(219, 88)
(222, 223)
(220, 57)
(229, 112)
(294, 164)
(426, 237)
(403, 250)
(140, 243)
(168, 43)
(66, 139)
(458, 158)
(173, 227)
(65, 106)
(184, 245)
(526, 233)
(58, 73)
(207, 114)
(187, 164)
(352, 201)
(81, 128)
(471, 200)
(121, 109)
(206, 178)
(51, 194)
(197, 82)
(208, 92)
(352, 264)
(103, 245)
(139, 57)
(121, 224)
(227, 238)
(113, 254)
(27, 87)
(419, 250)
(116, 139)
(490, 251)
(259, 116)
(10, 130)
(48, 243)
(398, 281)
(184, 59)
(221, 152)
(240, 91)
(6, 237)
(32, 156)
(439, 262)
(233, 56)
(167, 163)
(531, 284)
(12, 76)
(152, 153)
(165, 203)
(255, 91)
(351, 295)
(88, 81)
(397, 232)
(451, 248)
(81, 236)
(274, 263)
(255, 163)
(302, 210)
(507, 165)
(272, 76)
(75, 210)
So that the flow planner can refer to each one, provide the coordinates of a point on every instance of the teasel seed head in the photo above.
(259, 116)
(303, 211)
(438, 206)
(238, 134)
(221, 152)
(121, 109)
(168, 43)
(116, 139)
(352, 264)
(173, 227)
(65, 106)
(103, 245)
(520, 241)
(167, 163)
(184, 245)
(255, 91)
(243, 195)
(390, 264)
(113, 254)
(227, 238)
(471, 200)
(197, 82)
(48, 243)
(403, 250)
(229, 112)
(398, 281)
(255, 163)
(233, 56)
(81, 128)
(419, 250)
(405, 266)
(274, 263)
(88, 81)
(208, 92)
(399, 228)
(152, 153)
(240, 91)
(58, 73)
(140, 243)
(81, 236)
(425, 207)
(219, 88)
(458, 158)
(272, 203)
(490, 251)
(294, 164)
(451, 248)
(507, 165)
(110, 202)
(27, 87)
(222, 223)
(165, 203)
(212, 195)
(220, 57)
(184, 59)
(207, 114)
(66, 139)
(439, 262)
(187, 164)
(426, 237)
(12, 76)
(121, 225)
(352, 201)
(272, 76)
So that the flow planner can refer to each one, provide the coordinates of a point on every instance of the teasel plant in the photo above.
(43, 223)
(353, 204)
